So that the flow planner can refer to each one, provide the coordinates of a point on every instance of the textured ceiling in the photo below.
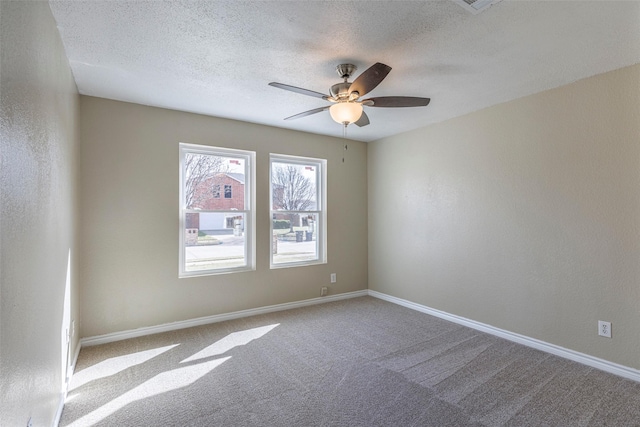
(217, 57)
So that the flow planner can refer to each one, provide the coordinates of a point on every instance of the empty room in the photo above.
(319, 213)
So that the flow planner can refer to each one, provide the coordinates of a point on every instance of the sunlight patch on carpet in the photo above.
(161, 383)
(232, 340)
(114, 365)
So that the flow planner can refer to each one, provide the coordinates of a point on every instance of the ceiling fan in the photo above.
(347, 106)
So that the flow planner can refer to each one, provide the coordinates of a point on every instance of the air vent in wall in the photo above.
(476, 6)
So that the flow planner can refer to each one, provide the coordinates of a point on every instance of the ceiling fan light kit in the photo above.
(346, 112)
(347, 107)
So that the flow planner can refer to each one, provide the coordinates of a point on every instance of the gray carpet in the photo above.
(358, 362)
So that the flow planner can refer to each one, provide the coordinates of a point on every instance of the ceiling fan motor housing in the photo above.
(340, 91)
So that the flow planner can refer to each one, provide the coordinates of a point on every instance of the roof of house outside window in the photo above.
(237, 176)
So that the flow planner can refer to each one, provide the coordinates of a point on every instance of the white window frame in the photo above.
(249, 210)
(321, 212)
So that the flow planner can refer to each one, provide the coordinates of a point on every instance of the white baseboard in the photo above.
(56, 419)
(585, 359)
(604, 365)
(117, 336)
(63, 394)
(72, 368)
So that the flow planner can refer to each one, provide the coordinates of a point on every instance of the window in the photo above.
(298, 211)
(216, 234)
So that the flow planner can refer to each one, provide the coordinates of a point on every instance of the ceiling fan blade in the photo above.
(370, 78)
(396, 101)
(307, 113)
(299, 90)
(363, 120)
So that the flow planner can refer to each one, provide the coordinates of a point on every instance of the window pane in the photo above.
(217, 234)
(293, 187)
(294, 238)
(214, 240)
(206, 174)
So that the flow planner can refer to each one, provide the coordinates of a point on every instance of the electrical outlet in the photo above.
(324, 291)
(604, 329)
(333, 278)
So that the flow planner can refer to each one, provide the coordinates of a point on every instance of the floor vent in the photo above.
(476, 6)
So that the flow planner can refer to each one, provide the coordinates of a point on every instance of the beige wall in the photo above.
(524, 216)
(129, 218)
(37, 217)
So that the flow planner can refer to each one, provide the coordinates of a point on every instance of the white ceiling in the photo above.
(217, 57)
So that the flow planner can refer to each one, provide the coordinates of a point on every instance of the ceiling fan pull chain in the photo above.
(344, 135)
